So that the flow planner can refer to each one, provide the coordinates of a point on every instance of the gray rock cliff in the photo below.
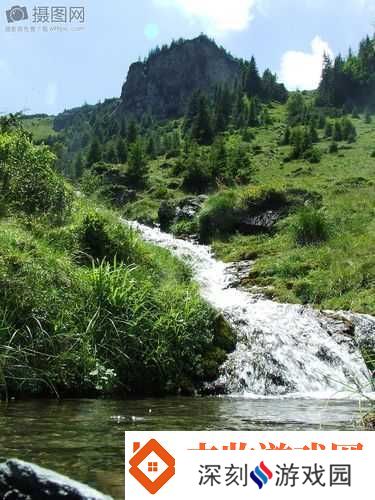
(163, 84)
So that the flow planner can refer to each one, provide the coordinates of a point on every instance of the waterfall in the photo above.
(282, 349)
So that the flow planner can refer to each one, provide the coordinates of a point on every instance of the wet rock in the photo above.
(120, 195)
(25, 481)
(338, 324)
(263, 222)
(188, 207)
(369, 421)
(238, 272)
(166, 214)
(327, 356)
(171, 212)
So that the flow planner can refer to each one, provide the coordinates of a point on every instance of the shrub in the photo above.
(196, 177)
(185, 228)
(30, 184)
(196, 173)
(310, 227)
(166, 214)
(254, 199)
(90, 183)
(333, 148)
(219, 215)
(313, 155)
(100, 237)
(137, 166)
(68, 329)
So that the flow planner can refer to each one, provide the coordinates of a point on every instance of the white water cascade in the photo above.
(282, 349)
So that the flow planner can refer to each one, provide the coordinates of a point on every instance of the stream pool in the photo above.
(84, 438)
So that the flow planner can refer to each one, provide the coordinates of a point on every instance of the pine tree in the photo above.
(223, 109)
(253, 118)
(266, 118)
(328, 131)
(192, 110)
(137, 165)
(239, 168)
(132, 134)
(253, 82)
(322, 121)
(95, 152)
(296, 109)
(123, 129)
(201, 130)
(355, 112)
(314, 137)
(78, 166)
(287, 137)
(150, 148)
(122, 150)
(111, 154)
(271, 90)
(218, 158)
(368, 118)
(337, 132)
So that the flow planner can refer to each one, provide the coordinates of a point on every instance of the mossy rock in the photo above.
(225, 338)
(224, 342)
(166, 214)
(369, 421)
(212, 362)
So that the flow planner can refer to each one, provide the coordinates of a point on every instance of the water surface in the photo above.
(84, 438)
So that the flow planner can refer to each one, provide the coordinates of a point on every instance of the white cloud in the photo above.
(51, 94)
(215, 16)
(301, 70)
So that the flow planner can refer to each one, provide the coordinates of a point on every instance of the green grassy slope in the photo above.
(40, 127)
(339, 273)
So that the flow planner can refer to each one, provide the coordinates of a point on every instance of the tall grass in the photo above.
(125, 318)
(310, 227)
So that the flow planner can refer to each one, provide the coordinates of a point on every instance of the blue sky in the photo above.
(51, 71)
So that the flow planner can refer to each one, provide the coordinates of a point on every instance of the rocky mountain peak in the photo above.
(163, 84)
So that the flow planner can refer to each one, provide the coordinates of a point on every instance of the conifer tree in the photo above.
(218, 158)
(314, 137)
(296, 109)
(78, 166)
(328, 131)
(253, 118)
(132, 134)
(122, 150)
(95, 152)
(137, 165)
(337, 131)
(201, 130)
(111, 154)
(253, 82)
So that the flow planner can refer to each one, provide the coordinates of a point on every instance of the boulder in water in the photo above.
(25, 481)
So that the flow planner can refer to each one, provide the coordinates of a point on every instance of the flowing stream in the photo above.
(288, 360)
(282, 349)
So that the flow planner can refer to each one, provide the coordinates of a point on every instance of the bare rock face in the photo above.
(24, 481)
(164, 83)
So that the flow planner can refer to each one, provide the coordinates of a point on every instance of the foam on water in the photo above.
(282, 349)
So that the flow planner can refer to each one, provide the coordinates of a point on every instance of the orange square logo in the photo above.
(151, 481)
